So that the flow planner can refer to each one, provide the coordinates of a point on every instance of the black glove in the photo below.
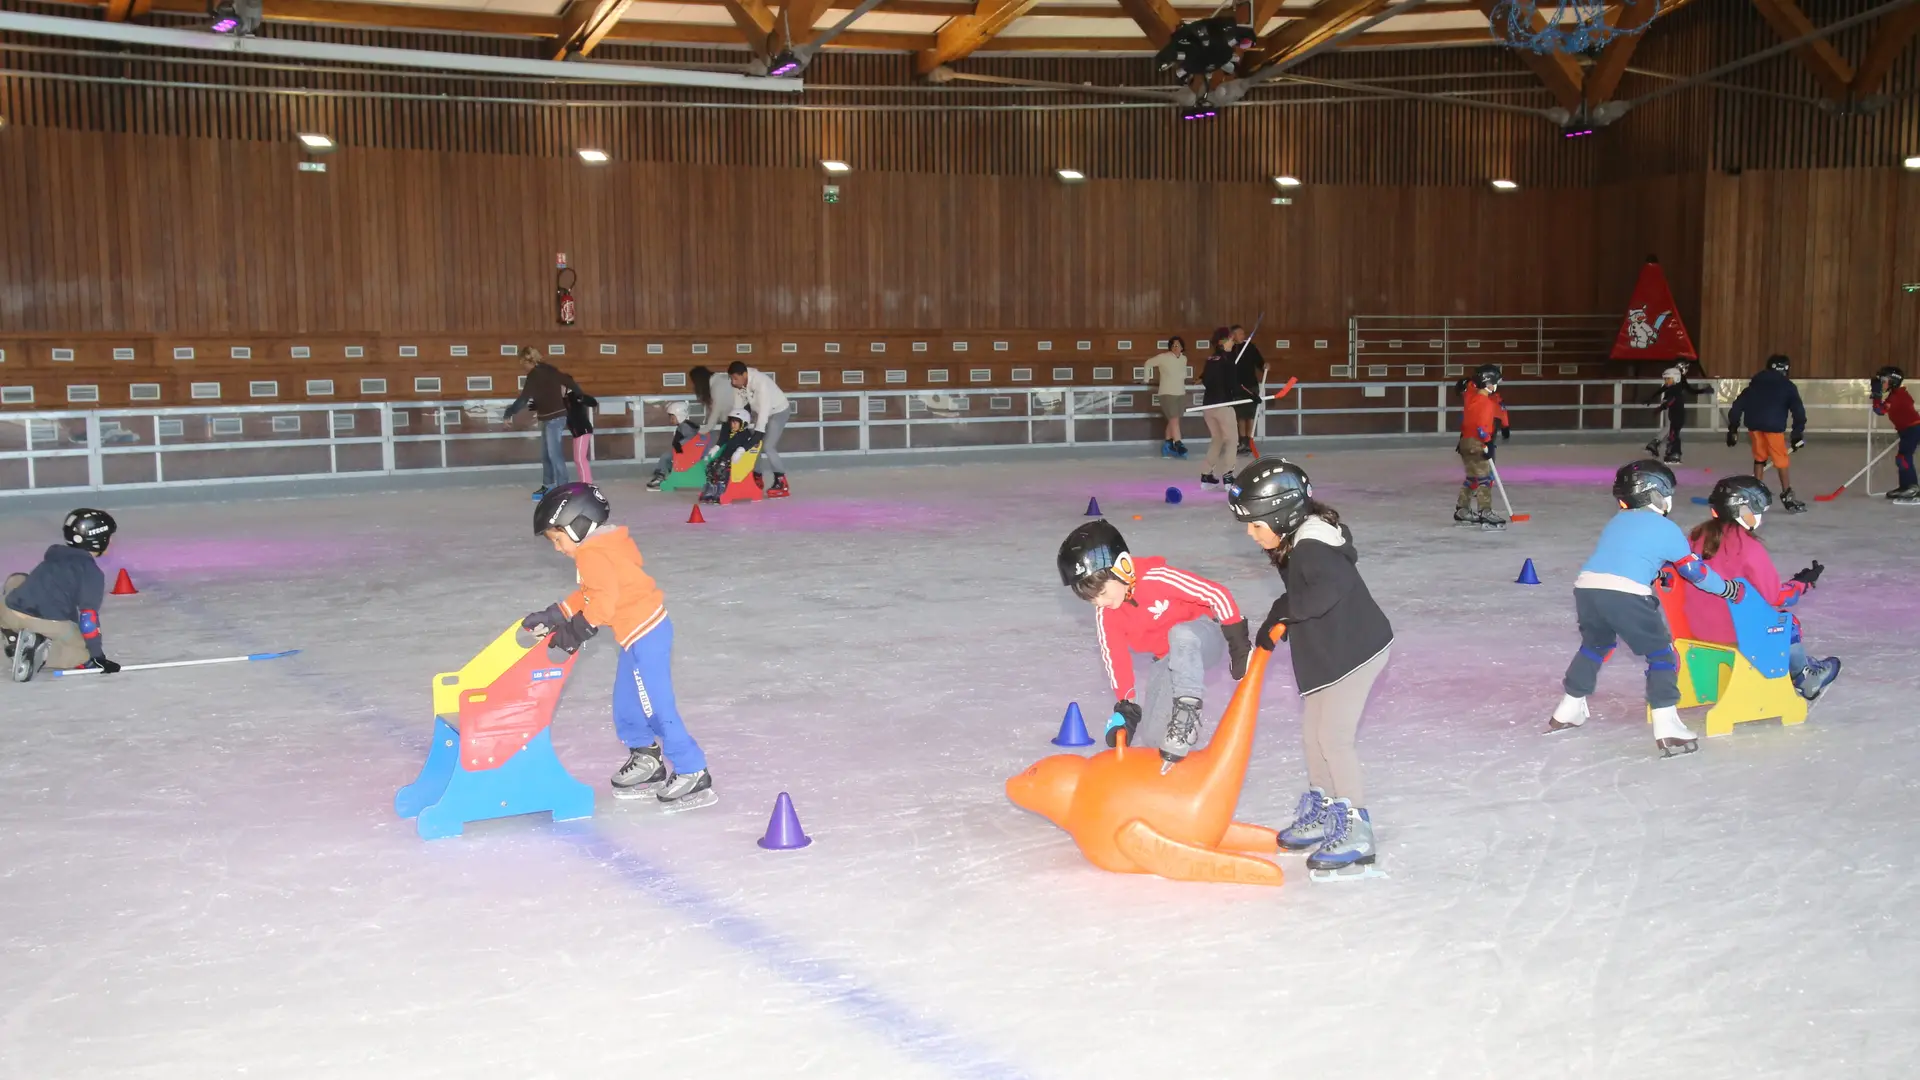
(1732, 437)
(103, 665)
(1239, 647)
(1125, 714)
(1270, 632)
(753, 441)
(1506, 432)
(679, 444)
(1798, 442)
(1811, 575)
(573, 633)
(1734, 591)
(542, 622)
(1488, 447)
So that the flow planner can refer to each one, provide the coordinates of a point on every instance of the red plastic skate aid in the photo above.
(492, 754)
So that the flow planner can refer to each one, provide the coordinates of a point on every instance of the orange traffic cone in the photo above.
(696, 518)
(123, 585)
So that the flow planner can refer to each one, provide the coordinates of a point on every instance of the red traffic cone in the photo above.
(123, 585)
(696, 518)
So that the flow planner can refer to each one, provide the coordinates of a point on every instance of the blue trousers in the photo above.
(553, 462)
(1903, 457)
(643, 707)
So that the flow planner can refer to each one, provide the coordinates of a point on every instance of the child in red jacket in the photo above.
(1891, 400)
(1484, 416)
(1144, 605)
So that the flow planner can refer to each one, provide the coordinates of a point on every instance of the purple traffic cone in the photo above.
(1093, 507)
(783, 829)
(1073, 728)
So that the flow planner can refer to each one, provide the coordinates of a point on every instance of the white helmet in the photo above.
(677, 410)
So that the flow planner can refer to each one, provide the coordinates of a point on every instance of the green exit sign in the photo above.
(831, 193)
(1911, 286)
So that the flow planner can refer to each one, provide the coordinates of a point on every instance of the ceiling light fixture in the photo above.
(1505, 185)
(1070, 176)
(315, 142)
(836, 167)
(593, 157)
(1286, 181)
(1912, 163)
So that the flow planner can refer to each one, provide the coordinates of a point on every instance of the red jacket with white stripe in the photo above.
(1162, 598)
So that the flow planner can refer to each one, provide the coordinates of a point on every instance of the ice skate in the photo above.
(710, 494)
(1208, 481)
(645, 773)
(1907, 492)
(654, 483)
(1166, 448)
(1245, 446)
(539, 493)
(1183, 732)
(688, 791)
(1179, 449)
(1309, 822)
(1227, 480)
(1816, 677)
(1653, 448)
(1464, 516)
(779, 489)
(1671, 459)
(1490, 521)
(1791, 504)
(29, 655)
(1907, 500)
(1347, 851)
(1570, 713)
(8, 637)
(1671, 734)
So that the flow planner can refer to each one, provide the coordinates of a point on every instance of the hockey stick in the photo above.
(1284, 391)
(1511, 516)
(180, 663)
(1863, 471)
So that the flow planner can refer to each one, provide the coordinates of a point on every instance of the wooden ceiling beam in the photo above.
(1603, 78)
(118, 10)
(961, 36)
(1894, 34)
(1327, 18)
(1156, 18)
(1829, 68)
(1560, 72)
(585, 24)
(754, 20)
(795, 24)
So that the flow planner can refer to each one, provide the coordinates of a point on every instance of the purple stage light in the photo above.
(226, 26)
(1576, 133)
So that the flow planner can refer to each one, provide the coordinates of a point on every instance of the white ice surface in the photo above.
(201, 874)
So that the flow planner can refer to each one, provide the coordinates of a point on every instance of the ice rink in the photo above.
(202, 875)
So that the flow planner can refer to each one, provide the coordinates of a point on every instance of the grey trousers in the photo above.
(1607, 617)
(69, 648)
(770, 448)
(553, 458)
(1181, 673)
(1329, 720)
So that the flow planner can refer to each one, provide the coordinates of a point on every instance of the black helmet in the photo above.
(1644, 483)
(1486, 376)
(1274, 491)
(89, 530)
(1779, 362)
(574, 509)
(1890, 376)
(1735, 492)
(1091, 548)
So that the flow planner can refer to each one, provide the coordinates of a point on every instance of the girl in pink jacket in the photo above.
(1728, 544)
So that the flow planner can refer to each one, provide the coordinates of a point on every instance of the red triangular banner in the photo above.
(1652, 329)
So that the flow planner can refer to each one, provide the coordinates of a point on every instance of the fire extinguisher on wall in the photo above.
(564, 310)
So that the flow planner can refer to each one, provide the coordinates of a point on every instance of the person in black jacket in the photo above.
(1766, 404)
(1219, 384)
(1672, 399)
(545, 391)
(1339, 639)
(52, 615)
(1250, 368)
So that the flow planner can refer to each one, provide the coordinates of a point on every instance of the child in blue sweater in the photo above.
(1614, 601)
(52, 615)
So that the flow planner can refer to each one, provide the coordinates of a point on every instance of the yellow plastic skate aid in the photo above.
(1748, 695)
(477, 674)
(743, 466)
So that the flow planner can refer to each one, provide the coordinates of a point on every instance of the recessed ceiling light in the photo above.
(593, 157)
(1505, 185)
(1070, 176)
(1286, 181)
(835, 166)
(1912, 163)
(314, 141)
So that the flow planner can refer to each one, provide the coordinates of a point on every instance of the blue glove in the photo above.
(1126, 714)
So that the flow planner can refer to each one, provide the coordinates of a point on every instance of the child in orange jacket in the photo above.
(1485, 416)
(615, 591)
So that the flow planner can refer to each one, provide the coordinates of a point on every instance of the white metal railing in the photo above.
(1452, 345)
(82, 449)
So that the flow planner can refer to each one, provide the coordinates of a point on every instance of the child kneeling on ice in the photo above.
(1613, 601)
(1339, 639)
(52, 615)
(1144, 605)
(615, 591)
(1730, 543)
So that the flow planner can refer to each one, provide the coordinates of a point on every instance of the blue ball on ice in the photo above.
(1173, 496)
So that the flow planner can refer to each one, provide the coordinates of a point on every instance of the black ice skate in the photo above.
(688, 791)
(645, 773)
(1183, 732)
(1790, 503)
(655, 482)
(710, 494)
(1464, 516)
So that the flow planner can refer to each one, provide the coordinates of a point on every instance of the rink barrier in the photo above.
(74, 450)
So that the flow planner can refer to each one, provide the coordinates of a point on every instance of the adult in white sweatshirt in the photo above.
(768, 405)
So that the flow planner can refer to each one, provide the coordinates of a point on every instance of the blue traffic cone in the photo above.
(1173, 496)
(783, 830)
(1073, 729)
(1527, 576)
(1093, 507)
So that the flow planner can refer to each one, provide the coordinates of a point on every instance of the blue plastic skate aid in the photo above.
(1762, 632)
